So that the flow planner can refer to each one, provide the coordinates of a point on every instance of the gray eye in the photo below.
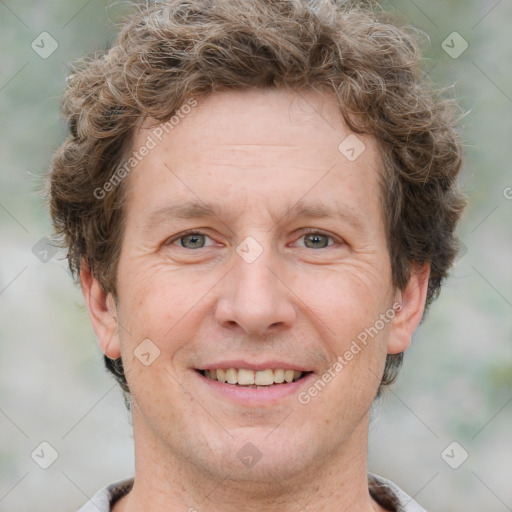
(316, 240)
(194, 241)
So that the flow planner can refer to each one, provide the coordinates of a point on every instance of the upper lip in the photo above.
(264, 365)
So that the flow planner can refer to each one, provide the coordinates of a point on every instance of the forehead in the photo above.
(274, 146)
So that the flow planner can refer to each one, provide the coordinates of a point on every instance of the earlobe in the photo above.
(102, 313)
(408, 317)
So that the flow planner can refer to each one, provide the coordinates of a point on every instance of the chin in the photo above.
(255, 456)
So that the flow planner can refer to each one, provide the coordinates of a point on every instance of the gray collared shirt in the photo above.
(383, 491)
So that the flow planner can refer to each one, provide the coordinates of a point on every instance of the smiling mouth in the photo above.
(253, 378)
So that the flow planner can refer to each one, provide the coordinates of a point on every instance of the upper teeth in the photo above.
(244, 377)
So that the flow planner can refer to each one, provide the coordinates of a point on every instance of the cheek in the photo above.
(347, 311)
(347, 300)
(156, 298)
(161, 310)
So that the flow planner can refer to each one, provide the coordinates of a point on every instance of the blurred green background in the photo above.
(456, 384)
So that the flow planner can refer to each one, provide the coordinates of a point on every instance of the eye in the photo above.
(190, 240)
(197, 240)
(316, 240)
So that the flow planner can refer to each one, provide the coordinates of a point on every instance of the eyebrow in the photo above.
(195, 209)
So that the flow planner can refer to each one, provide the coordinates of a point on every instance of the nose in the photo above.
(255, 298)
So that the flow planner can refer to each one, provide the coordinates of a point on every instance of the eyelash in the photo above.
(310, 231)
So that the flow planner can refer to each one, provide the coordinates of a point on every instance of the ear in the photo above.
(102, 313)
(408, 317)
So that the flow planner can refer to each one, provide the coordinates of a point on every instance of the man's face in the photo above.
(261, 284)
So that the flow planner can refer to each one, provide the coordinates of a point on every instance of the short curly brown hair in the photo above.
(181, 49)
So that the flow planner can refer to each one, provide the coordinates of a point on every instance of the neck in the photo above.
(165, 482)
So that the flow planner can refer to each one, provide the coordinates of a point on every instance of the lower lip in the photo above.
(254, 396)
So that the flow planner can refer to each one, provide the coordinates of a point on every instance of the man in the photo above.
(259, 199)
